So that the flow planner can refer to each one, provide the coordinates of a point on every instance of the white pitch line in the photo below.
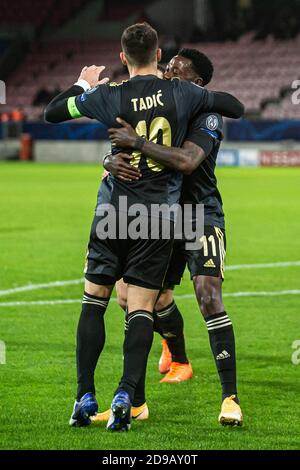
(22, 303)
(248, 294)
(279, 264)
(183, 296)
(233, 267)
(45, 285)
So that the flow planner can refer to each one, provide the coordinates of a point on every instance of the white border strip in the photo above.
(179, 297)
(234, 267)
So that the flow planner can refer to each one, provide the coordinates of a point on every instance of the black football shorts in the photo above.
(207, 261)
(141, 262)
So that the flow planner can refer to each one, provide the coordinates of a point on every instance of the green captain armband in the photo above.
(72, 108)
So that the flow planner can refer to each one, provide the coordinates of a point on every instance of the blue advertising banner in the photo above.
(240, 131)
(263, 130)
(66, 131)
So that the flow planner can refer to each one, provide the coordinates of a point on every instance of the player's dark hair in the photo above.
(139, 43)
(202, 65)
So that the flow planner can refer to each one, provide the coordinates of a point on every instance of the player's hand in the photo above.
(124, 136)
(119, 166)
(92, 74)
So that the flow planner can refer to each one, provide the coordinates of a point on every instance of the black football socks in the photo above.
(137, 345)
(139, 394)
(90, 341)
(222, 343)
(170, 323)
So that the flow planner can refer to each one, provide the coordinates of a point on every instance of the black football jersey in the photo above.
(158, 109)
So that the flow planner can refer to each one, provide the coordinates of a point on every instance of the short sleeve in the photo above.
(205, 124)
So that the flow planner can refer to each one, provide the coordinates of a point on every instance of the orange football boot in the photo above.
(178, 373)
(165, 358)
(139, 413)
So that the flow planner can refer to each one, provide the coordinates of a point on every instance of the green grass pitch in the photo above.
(46, 212)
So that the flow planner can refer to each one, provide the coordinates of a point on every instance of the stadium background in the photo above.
(47, 202)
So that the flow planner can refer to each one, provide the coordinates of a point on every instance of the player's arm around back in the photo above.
(227, 105)
(63, 107)
(184, 160)
(205, 132)
(196, 99)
